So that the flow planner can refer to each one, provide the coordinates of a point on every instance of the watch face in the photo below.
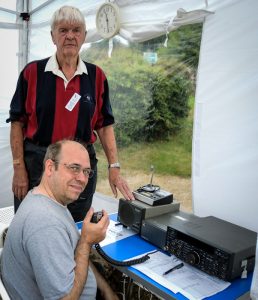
(107, 20)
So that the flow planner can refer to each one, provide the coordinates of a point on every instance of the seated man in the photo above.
(44, 256)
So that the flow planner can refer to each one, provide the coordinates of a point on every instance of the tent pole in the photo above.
(23, 19)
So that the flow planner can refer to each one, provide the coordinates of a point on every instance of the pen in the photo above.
(117, 224)
(179, 266)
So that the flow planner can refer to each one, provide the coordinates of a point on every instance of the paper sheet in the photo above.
(189, 281)
(116, 233)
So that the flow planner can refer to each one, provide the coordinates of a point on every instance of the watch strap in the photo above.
(114, 165)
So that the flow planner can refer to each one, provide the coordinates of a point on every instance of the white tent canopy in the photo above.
(139, 23)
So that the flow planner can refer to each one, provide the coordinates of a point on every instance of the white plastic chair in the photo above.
(3, 293)
(6, 216)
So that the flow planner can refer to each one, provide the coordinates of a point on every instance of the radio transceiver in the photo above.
(217, 247)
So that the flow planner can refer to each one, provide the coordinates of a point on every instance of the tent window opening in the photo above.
(152, 95)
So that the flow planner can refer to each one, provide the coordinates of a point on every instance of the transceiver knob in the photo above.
(193, 258)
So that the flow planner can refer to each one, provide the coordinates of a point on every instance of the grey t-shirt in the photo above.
(38, 255)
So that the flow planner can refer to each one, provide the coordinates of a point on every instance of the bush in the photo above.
(130, 100)
(169, 105)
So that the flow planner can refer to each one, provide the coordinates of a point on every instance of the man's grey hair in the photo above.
(68, 14)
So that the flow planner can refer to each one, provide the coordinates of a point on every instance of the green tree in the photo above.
(184, 45)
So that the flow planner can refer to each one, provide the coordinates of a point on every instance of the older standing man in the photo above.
(62, 97)
(44, 256)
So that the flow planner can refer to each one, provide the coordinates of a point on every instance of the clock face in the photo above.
(108, 20)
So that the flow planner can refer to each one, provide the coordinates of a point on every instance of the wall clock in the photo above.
(108, 20)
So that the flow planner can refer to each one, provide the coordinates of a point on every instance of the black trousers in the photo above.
(34, 156)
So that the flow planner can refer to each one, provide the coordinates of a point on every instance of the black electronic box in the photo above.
(133, 213)
(212, 245)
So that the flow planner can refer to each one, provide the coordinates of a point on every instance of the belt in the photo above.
(39, 144)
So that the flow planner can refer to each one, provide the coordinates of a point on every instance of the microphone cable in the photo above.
(121, 263)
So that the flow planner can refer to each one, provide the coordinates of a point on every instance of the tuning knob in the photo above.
(193, 258)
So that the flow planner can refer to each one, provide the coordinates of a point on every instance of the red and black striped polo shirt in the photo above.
(40, 99)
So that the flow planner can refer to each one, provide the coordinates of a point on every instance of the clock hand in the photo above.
(107, 21)
(107, 24)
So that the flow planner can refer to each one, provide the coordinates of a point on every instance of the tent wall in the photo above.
(225, 140)
(9, 63)
(6, 168)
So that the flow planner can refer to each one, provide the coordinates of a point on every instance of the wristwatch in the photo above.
(114, 165)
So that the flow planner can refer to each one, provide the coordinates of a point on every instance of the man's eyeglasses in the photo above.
(76, 169)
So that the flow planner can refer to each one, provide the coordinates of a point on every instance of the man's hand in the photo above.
(20, 183)
(117, 182)
(91, 233)
(94, 233)
(107, 137)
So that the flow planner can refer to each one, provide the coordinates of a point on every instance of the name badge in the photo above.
(72, 102)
